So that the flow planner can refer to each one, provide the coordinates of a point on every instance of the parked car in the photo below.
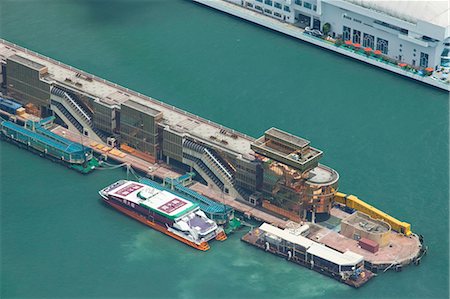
(313, 32)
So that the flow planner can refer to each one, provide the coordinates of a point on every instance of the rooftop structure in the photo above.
(432, 11)
(143, 107)
(285, 234)
(360, 225)
(293, 179)
(30, 63)
(287, 148)
(322, 175)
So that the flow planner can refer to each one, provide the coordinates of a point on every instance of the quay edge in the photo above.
(298, 33)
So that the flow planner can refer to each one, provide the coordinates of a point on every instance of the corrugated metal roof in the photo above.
(344, 259)
(286, 235)
(433, 11)
(347, 258)
(62, 144)
(10, 104)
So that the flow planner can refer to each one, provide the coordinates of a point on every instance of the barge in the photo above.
(35, 137)
(163, 211)
(347, 267)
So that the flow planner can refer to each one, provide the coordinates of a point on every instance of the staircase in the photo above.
(203, 170)
(210, 166)
(214, 161)
(73, 114)
(67, 115)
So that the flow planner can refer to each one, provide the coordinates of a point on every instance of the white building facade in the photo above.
(413, 32)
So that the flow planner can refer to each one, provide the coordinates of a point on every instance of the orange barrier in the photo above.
(127, 148)
(138, 154)
(117, 153)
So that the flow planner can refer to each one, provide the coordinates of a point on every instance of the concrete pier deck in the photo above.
(239, 206)
(150, 169)
(402, 250)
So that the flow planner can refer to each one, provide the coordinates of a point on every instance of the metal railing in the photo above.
(124, 89)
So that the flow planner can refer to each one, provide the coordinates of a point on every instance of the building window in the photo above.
(249, 4)
(315, 7)
(278, 5)
(307, 5)
(382, 45)
(286, 8)
(404, 31)
(368, 40)
(445, 57)
(346, 32)
(259, 1)
(423, 59)
(258, 7)
(277, 14)
(268, 11)
(298, 2)
(356, 36)
(268, 2)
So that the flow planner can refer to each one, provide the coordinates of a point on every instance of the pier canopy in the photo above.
(347, 258)
(287, 235)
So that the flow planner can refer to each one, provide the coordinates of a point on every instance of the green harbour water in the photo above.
(388, 137)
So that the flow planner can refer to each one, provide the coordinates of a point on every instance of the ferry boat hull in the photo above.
(180, 227)
(202, 246)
